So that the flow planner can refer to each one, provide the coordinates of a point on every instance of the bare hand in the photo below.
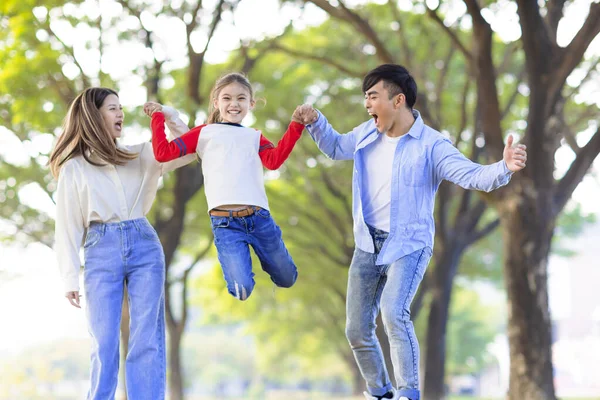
(305, 114)
(73, 298)
(515, 157)
(151, 107)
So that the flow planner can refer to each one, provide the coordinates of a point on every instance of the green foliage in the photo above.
(473, 327)
(32, 376)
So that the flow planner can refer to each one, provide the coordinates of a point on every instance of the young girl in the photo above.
(104, 191)
(232, 160)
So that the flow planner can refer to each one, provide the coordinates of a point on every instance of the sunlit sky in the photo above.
(33, 308)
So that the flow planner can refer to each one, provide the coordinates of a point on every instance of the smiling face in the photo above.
(381, 107)
(233, 102)
(112, 113)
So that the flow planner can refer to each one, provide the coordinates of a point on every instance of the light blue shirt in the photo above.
(423, 158)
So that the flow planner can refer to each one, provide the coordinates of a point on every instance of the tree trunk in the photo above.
(528, 232)
(125, 318)
(175, 368)
(358, 383)
(435, 363)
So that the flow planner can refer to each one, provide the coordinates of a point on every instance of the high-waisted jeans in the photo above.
(117, 254)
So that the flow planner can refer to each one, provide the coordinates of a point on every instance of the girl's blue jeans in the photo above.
(233, 238)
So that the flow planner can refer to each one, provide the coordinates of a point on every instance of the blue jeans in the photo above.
(390, 288)
(117, 254)
(233, 235)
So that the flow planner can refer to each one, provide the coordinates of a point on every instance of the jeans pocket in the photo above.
(261, 212)
(147, 231)
(92, 237)
(219, 222)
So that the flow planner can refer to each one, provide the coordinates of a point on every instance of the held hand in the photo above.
(305, 114)
(151, 107)
(515, 157)
(73, 298)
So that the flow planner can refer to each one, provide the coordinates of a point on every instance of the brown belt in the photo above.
(216, 212)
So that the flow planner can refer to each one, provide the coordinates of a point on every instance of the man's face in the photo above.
(381, 107)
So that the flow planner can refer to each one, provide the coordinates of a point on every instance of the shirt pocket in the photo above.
(415, 171)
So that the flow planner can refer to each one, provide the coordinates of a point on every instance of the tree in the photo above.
(530, 206)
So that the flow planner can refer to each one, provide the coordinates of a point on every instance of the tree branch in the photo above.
(513, 96)
(572, 55)
(197, 59)
(585, 79)
(362, 25)
(69, 50)
(483, 232)
(184, 281)
(487, 92)
(403, 42)
(322, 59)
(554, 15)
(509, 53)
(451, 34)
(441, 84)
(443, 204)
(584, 160)
(463, 113)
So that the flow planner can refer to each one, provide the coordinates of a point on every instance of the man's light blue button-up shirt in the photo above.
(422, 159)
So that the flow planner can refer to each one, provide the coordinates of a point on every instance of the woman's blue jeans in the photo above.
(118, 254)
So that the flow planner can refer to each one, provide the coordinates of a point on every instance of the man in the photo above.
(399, 163)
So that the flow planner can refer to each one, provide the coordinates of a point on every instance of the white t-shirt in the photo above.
(233, 171)
(377, 190)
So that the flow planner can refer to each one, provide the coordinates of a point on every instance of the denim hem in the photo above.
(412, 394)
(379, 391)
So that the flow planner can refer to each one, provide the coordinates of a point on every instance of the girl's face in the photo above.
(234, 102)
(112, 113)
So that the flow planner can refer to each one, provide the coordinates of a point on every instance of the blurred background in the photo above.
(509, 306)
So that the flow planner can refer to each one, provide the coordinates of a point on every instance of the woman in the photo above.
(104, 192)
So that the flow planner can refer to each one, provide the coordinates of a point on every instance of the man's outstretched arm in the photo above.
(328, 140)
(450, 164)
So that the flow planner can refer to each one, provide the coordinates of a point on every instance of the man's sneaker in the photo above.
(371, 397)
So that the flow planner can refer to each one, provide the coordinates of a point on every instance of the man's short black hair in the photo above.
(396, 80)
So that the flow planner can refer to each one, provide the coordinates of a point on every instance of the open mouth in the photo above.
(375, 118)
(119, 126)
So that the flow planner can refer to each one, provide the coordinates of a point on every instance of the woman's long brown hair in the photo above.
(85, 133)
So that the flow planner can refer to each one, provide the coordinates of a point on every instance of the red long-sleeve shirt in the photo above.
(272, 156)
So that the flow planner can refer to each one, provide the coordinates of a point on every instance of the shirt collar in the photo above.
(230, 123)
(417, 127)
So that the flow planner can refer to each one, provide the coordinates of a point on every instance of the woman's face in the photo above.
(112, 113)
